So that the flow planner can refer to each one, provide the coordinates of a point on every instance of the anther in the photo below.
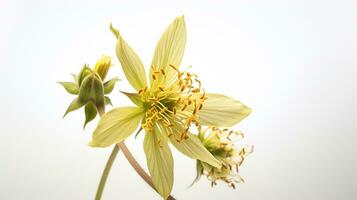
(173, 67)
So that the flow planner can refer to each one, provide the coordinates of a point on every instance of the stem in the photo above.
(106, 171)
(131, 160)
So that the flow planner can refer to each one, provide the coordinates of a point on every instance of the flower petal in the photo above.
(193, 148)
(116, 125)
(169, 50)
(222, 111)
(132, 66)
(160, 163)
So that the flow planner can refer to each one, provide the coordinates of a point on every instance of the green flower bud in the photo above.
(221, 145)
(102, 66)
(92, 90)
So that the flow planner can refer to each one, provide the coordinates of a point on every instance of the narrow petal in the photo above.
(169, 50)
(116, 125)
(160, 163)
(132, 66)
(193, 148)
(222, 111)
(135, 98)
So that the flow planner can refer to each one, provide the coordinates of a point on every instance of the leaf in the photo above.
(90, 112)
(70, 87)
(160, 163)
(75, 104)
(109, 85)
(116, 125)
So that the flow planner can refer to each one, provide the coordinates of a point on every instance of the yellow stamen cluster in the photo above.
(173, 105)
(221, 144)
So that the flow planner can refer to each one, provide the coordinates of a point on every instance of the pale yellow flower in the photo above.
(167, 108)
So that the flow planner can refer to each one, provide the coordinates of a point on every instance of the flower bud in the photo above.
(102, 66)
(91, 90)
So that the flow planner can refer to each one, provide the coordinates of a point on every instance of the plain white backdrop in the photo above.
(292, 62)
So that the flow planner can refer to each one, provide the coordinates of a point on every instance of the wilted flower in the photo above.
(221, 143)
(90, 90)
(172, 104)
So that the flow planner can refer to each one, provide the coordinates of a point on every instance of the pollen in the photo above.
(173, 107)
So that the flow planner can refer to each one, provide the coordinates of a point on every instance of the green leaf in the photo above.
(75, 104)
(109, 85)
(135, 98)
(160, 163)
(90, 112)
(107, 101)
(116, 125)
(70, 87)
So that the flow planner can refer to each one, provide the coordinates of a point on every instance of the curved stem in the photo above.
(106, 171)
(131, 160)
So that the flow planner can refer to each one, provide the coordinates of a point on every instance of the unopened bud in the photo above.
(92, 90)
(102, 66)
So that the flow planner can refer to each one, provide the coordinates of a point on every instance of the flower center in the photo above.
(174, 106)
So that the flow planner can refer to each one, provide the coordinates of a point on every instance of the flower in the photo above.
(90, 90)
(221, 144)
(173, 103)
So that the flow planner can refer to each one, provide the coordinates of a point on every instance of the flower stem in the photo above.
(106, 171)
(131, 160)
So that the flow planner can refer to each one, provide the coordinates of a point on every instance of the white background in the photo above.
(292, 62)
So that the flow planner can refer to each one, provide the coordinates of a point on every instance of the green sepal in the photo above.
(75, 104)
(92, 90)
(90, 112)
(75, 78)
(85, 71)
(70, 87)
(109, 85)
(108, 101)
(135, 98)
(199, 172)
